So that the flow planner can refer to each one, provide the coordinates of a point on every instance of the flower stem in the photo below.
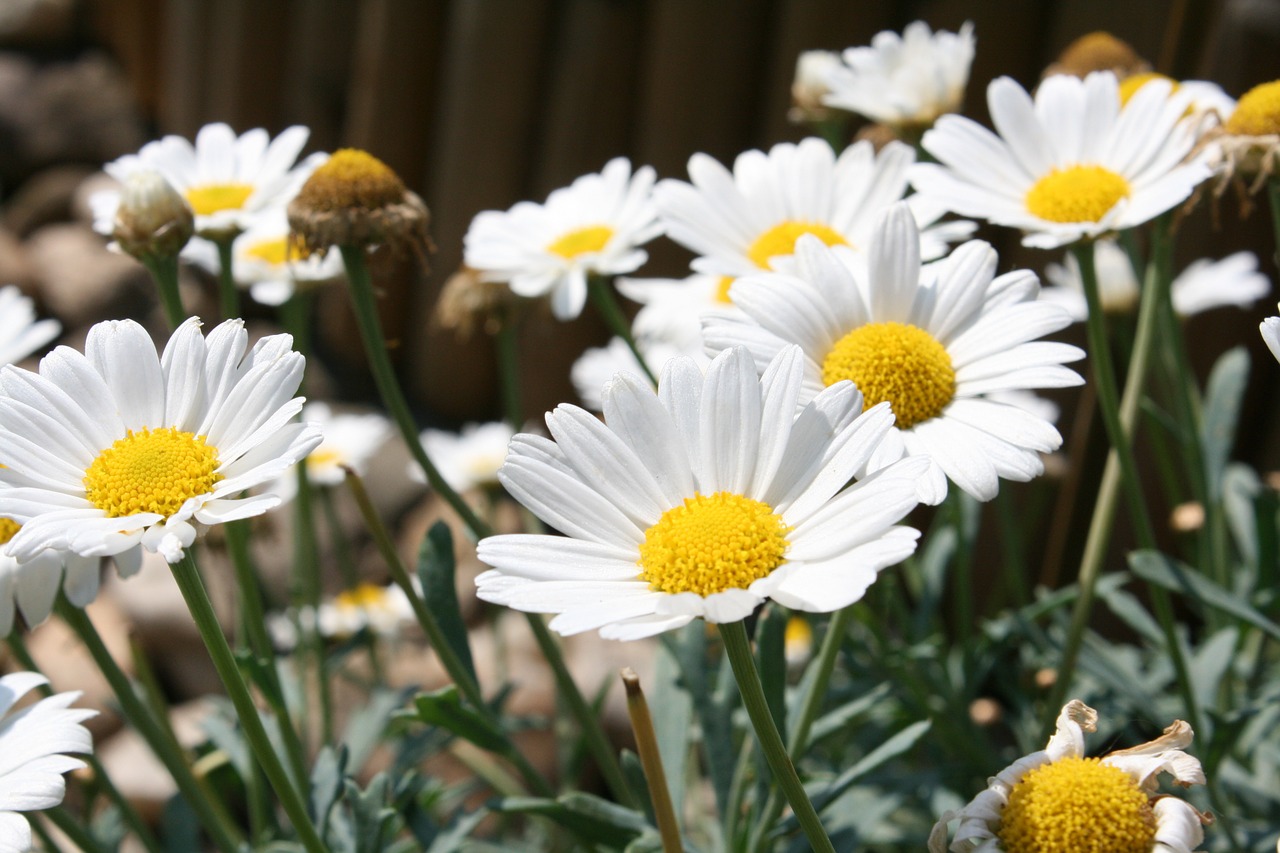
(210, 810)
(1273, 195)
(375, 346)
(228, 293)
(738, 649)
(508, 350)
(651, 761)
(197, 599)
(601, 291)
(164, 269)
(74, 829)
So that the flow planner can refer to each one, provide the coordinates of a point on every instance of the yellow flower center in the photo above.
(711, 543)
(781, 240)
(212, 198)
(324, 456)
(1076, 194)
(722, 289)
(1077, 805)
(1258, 112)
(1129, 86)
(579, 241)
(151, 470)
(897, 362)
(351, 178)
(277, 251)
(363, 597)
(8, 529)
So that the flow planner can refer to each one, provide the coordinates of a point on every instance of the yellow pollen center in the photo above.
(711, 543)
(1257, 113)
(579, 241)
(897, 362)
(277, 252)
(351, 178)
(1077, 805)
(1129, 86)
(363, 597)
(151, 470)
(781, 240)
(212, 198)
(722, 289)
(8, 529)
(324, 457)
(1076, 194)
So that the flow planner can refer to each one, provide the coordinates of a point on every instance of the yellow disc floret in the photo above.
(351, 179)
(897, 362)
(712, 543)
(8, 529)
(1077, 805)
(1258, 112)
(212, 198)
(1076, 194)
(363, 597)
(151, 470)
(781, 240)
(580, 241)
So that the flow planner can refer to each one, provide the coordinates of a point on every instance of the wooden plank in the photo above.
(318, 63)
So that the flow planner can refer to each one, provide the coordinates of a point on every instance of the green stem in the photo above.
(738, 649)
(375, 346)
(210, 810)
(435, 634)
(601, 291)
(165, 272)
(1273, 195)
(228, 292)
(197, 599)
(651, 760)
(74, 828)
(508, 347)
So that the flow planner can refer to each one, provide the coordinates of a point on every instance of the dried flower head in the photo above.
(1098, 51)
(355, 199)
(1248, 144)
(469, 302)
(152, 218)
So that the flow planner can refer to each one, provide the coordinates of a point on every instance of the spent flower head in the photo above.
(1248, 145)
(151, 219)
(1098, 51)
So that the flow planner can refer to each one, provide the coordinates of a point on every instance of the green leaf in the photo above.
(592, 819)
(1156, 568)
(1223, 396)
(444, 708)
(1128, 608)
(1240, 489)
(714, 713)
(326, 783)
(436, 567)
(1209, 665)
(833, 721)
(672, 710)
(891, 748)
(368, 724)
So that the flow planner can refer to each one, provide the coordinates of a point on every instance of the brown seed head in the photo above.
(1098, 51)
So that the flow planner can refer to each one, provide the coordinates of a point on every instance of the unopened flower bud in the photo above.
(810, 85)
(152, 219)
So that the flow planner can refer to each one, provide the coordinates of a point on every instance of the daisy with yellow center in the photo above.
(932, 341)
(1059, 801)
(1248, 145)
(121, 449)
(1071, 164)
(595, 226)
(30, 587)
(381, 609)
(746, 221)
(274, 265)
(350, 441)
(469, 459)
(701, 499)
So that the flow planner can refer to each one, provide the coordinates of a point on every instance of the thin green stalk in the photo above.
(228, 292)
(293, 802)
(165, 272)
(295, 314)
(375, 346)
(601, 292)
(347, 568)
(74, 829)
(738, 649)
(651, 760)
(508, 349)
(306, 591)
(208, 808)
(435, 635)
(737, 790)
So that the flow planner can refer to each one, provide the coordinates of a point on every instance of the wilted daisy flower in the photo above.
(1071, 164)
(934, 341)
(741, 222)
(595, 226)
(32, 760)
(469, 459)
(1270, 329)
(703, 498)
(32, 585)
(21, 333)
(1059, 800)
(226, 179)
(381, 609)
(905, 81)
(117, 449)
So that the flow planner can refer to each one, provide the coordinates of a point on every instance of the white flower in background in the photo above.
(1270, 329)
(1206, 97)
(350, 441)
(673, 308)
(469, 459)
(1058, 799)
(809, 86)
(32, 585)
(597, 365)
(21, 333)
(227, 180)
(1204, 285)
(593, 227)
(264, 260)
(703, 498)
(116, 450)
(384, 610)
(905, 81)
(1249, 143)
(742, 222)
(33, 741)
(1072, 164)
(933, 341)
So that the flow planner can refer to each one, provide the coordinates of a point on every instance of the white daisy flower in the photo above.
(905, 81)
(469, 459)
(32, 586)
(593, 227)
(384, 610)
(1072, 164)
(263, 260)
(32, 760)
(1058, 800)
(934, 341)
(117, 449)
(350, 440)
(703, 498)
(741, 223)
(593, 369)
(1270, 329)
(673, 308)
(1204, 285)
(21, 333)
(226, 179)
